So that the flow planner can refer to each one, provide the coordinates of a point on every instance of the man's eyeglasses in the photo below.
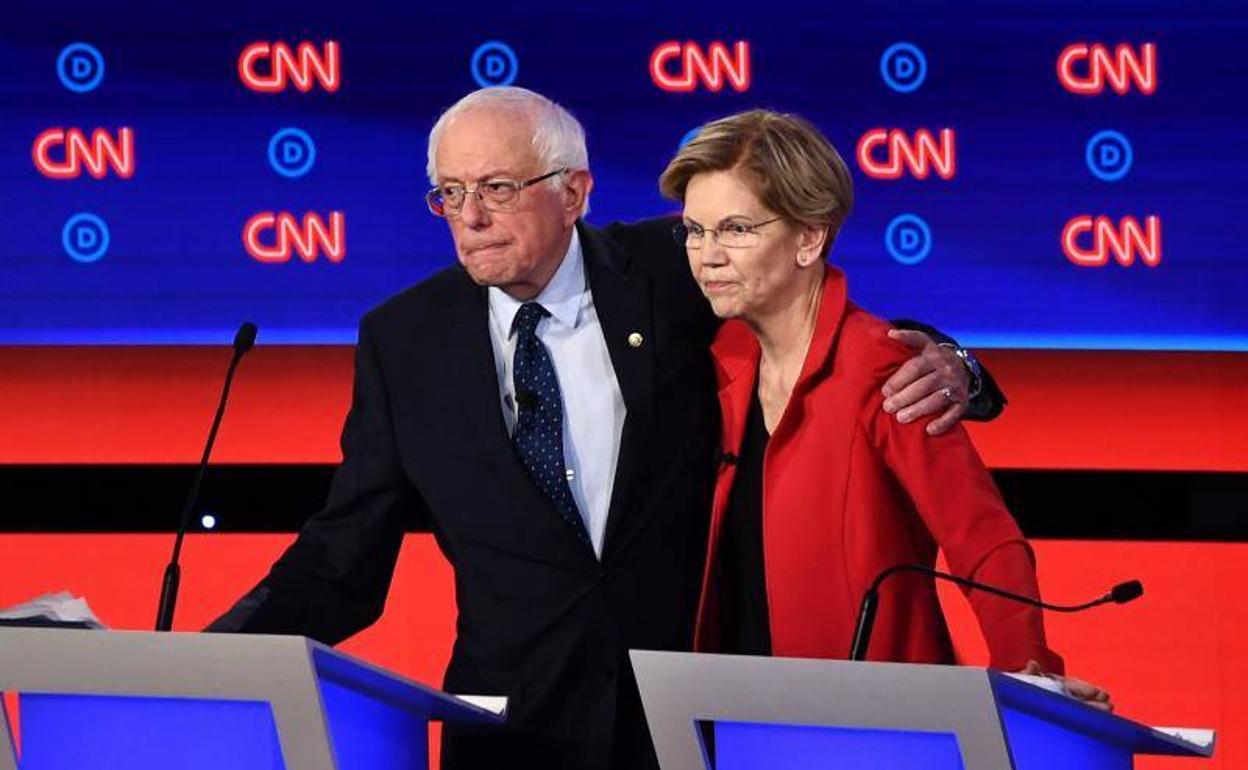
(730, 234)
(447, 200)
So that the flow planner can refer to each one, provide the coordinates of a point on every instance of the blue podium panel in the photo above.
(81, 732)
(369, 733)
(1045, 730)
(1039, 744)
(754, 746)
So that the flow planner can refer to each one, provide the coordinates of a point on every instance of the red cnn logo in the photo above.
(98, 155)
(306, 238)
(299, 67)
(920, 155)
(1119, 70)
(711, 68)
(1124, 240)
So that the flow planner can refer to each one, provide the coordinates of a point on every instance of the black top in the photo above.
(744, 627)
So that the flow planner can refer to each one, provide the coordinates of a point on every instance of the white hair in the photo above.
(558, 138)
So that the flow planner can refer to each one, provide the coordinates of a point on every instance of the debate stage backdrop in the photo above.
(1029, 175)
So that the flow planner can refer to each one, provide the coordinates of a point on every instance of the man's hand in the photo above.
(1078, 689)
(934, 380)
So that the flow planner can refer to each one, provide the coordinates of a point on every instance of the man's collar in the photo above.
(561, 297)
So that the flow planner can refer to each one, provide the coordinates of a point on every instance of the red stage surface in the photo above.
(1174, 657)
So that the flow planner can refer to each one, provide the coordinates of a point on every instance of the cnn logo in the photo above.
(680, 67)
(1086, 69)
(1090, 241)
(96, 155)
(275, 237)
(270, 67)
(889, 153)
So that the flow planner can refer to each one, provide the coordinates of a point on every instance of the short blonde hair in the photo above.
(788, 163)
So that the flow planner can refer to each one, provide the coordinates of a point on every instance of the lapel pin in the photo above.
(635, 339)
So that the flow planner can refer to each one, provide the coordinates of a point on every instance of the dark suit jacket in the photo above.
(541, 619)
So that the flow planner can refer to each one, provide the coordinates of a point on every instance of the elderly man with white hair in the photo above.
(546, 407)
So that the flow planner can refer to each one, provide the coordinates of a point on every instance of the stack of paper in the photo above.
(60, 608)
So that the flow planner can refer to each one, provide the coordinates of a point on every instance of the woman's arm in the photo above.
(961, 508)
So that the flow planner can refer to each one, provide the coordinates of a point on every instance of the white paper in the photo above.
(495, 704)
(1043, 682)
(1197, 736)
(61, 606)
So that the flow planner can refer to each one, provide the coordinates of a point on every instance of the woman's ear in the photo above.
(810, 240)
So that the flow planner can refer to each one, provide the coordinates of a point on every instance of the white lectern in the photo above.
(730, 712)
(108, 699)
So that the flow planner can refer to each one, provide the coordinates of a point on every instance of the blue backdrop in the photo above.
(986, 263)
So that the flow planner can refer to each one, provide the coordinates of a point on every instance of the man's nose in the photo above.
(473, 214)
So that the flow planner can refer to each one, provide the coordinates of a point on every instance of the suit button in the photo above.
(604, 575)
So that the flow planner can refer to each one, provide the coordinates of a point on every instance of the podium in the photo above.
(124, 699)
(729, 712)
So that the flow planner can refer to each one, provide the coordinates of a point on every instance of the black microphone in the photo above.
(244, 339)
(725, 458)
(1125, 592)
(1119, 594)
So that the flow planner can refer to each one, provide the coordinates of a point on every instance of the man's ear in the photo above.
(576, 191)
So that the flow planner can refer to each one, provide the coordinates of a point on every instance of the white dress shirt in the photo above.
(593, 407)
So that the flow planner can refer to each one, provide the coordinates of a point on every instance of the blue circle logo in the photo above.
(85, 238)
(903, 67)
(292, 152)
(80, 67)
(1109, 156)
(494, 64)
(908, 239)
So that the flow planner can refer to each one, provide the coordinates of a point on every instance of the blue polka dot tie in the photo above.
(539, 425)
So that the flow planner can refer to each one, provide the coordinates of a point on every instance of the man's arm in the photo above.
(915, 390)
(332, 581)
